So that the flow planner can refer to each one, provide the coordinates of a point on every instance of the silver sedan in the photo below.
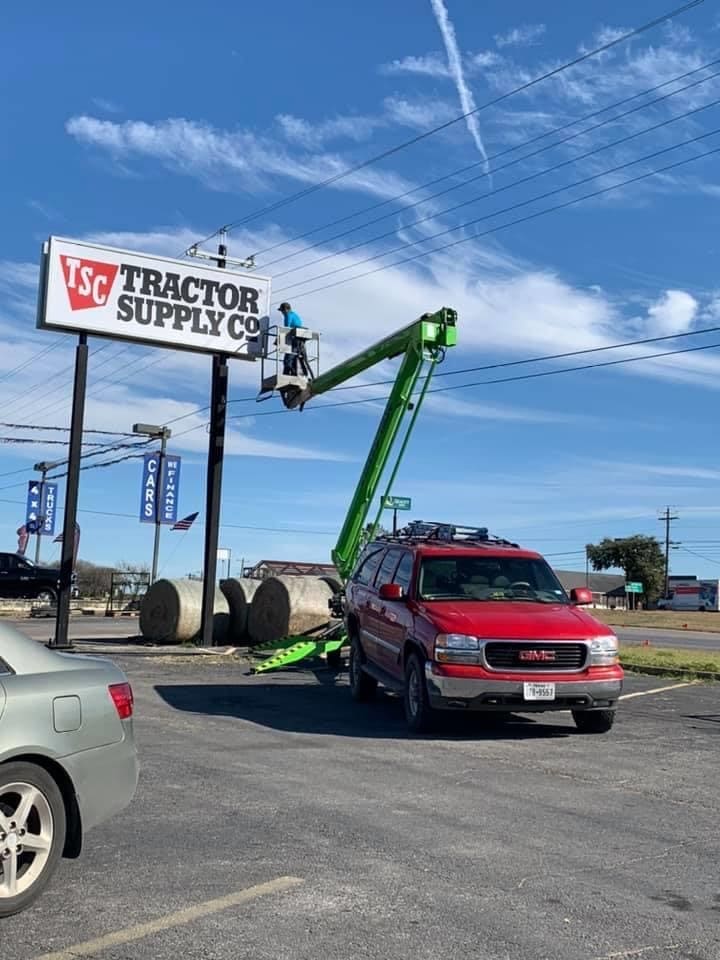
(67, 759)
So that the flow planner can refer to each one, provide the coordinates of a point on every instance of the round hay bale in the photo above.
(284, 606)
(333, 582)
(239, 592)
(171, 612)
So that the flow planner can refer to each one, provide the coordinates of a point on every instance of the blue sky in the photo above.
(149, 128)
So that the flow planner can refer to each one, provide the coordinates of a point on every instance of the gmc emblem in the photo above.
(546, 656)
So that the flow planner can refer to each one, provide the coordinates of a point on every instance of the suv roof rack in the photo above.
(427, 530)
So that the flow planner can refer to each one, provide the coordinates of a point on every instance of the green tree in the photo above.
(640, 557)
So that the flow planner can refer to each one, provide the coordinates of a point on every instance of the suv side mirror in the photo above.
(581, 596)
(391, 591)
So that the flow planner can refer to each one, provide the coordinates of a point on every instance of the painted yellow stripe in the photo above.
(179, 918)
(647, 693)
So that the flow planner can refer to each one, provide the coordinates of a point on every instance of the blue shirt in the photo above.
(292, 319)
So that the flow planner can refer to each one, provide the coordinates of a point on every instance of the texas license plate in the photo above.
(539, 691)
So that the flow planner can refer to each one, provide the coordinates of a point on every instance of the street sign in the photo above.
(159, 495)
(33, 510)
(48, 509)
(633, 588)
(397, 503)
(142, 297)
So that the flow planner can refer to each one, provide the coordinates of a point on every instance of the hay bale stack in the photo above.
(239, 592)
(171, 612)
(284, 606)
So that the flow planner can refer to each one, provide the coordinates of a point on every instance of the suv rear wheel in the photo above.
(419, 714)
(46, 596)
(362, 686)
(594, 721)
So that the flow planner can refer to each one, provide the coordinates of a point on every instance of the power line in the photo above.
(496, 156)
(32, 359)
(519, 220)
(36, 426)
(478, 383)
(508, 186)
(488, 366)
(54, 403)
(313, 188)
(199, 522)
(700, 556)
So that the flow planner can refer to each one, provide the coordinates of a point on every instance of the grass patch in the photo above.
(662, 619)
(687, 663)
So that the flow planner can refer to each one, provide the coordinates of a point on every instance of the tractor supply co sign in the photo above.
(136, 296)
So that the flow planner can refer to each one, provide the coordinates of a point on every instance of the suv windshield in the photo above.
(489, 578)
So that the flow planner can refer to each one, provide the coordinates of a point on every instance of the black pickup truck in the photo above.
(21, 579)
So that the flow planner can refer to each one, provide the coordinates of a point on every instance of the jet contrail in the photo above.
(467, 101)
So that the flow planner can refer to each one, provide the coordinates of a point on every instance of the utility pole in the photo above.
(587, 566)
(162, 434)
(667, 519)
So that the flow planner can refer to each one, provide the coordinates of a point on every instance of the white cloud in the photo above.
(313, 135)
(467, 101)
(421, 113)
(674, 312)
(430, 65)
(107, 106)
(225, 159)
(485, 59)
(522, 36)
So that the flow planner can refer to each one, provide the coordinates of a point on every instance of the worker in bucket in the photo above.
(292, 320)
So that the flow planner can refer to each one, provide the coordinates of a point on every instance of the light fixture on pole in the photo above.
(162, 434)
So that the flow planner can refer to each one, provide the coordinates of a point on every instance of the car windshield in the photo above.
(489, 578)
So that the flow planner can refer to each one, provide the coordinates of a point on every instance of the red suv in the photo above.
(457, 620)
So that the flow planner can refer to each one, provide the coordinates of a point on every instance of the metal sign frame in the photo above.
(218, 411)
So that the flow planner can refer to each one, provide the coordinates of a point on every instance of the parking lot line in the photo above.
(647, 693)
(180, 917)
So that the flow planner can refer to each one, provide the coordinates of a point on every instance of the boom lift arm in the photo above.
(421, 344)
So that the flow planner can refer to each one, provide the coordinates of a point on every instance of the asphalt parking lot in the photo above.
(276, 819)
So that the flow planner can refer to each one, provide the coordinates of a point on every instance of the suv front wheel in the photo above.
(419, 714)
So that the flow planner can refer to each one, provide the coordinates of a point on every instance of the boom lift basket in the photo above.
(282, 342)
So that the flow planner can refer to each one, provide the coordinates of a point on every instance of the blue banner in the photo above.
(169, 490)
(159, 495)
(48, 509)
(33, 511)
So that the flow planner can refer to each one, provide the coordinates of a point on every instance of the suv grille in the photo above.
(535, 656)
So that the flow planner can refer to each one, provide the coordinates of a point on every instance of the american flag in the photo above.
(185, 523)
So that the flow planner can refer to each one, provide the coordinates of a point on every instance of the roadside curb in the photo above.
(671, 672)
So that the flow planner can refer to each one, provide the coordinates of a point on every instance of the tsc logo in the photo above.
(88, 282)
(542, 656)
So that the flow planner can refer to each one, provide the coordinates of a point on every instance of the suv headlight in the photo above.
(456, 648)
(604, 651)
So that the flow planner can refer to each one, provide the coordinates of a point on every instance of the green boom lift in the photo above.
(422, 346)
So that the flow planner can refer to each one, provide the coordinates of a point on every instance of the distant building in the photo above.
(608, 589)
(289, 568)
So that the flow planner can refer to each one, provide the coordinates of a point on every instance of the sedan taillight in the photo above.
(122, 697)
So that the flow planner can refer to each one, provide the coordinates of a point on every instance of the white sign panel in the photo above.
(107, 292)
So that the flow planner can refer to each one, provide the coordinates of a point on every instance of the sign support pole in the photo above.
(216, 454)
(60, 640)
